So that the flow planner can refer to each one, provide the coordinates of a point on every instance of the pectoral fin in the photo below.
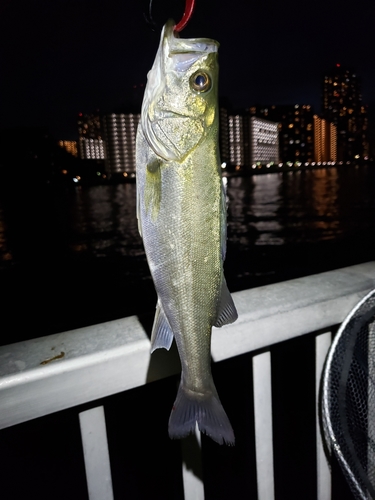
(227, 312)
(223, 222)
(139, 216)
(162, 335)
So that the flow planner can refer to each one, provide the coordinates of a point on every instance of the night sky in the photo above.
(61, 57)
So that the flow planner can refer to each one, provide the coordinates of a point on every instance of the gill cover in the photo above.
(181, 86)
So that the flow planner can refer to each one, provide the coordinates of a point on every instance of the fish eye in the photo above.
(200, 81)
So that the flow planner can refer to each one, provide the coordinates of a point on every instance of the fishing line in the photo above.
(148, 17)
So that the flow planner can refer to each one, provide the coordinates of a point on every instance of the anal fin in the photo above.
(162, 335)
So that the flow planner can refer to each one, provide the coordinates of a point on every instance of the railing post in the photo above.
(192, 466)
(322, 345)
(263, 425)
(95, 450)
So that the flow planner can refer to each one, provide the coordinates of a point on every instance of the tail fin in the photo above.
(205, 409)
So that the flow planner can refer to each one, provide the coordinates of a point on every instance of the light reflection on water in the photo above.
(263, 210)
(104, 221)
(300, 207)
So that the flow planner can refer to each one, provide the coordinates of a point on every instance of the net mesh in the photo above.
(348, 398)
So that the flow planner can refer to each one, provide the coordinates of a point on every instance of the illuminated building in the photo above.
(91, 149)
(224, 132)
(325, 140)
(296, 134)
(90, 142)
(342, 105)
(238, 140)
(89, 125)
(69, 146)
(120, 134)
(245, 140)
(264, 141)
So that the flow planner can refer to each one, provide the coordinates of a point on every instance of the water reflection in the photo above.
(325, 202)
(273, 209)
(104, 221)
(252, 212)
(310, 209)
(300, 207)
(264, 210)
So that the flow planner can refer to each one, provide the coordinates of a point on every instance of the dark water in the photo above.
(72, 257)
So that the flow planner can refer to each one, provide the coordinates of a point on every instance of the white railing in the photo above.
(49, 374)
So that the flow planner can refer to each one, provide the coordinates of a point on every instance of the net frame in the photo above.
(348, 398)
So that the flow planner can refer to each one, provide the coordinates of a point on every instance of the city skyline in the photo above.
(62, 58)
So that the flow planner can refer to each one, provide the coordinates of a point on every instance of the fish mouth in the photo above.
(179, 45)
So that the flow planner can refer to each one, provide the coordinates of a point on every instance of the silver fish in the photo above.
(181, 212)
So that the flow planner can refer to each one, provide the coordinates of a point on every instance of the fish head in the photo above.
(180, 103)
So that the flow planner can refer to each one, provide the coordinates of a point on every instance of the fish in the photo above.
(181, 211)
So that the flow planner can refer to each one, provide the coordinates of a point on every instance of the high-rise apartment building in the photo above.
(325, 140)
(89, 125)
(342, 105)
(69, 146)
(296, 129)
(245, 139)
(91, 149)
(120, 134)
(90, 141)
(239, 140)
(264, 141)
(224, 132)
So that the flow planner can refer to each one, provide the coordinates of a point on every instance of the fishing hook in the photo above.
(189, 7)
